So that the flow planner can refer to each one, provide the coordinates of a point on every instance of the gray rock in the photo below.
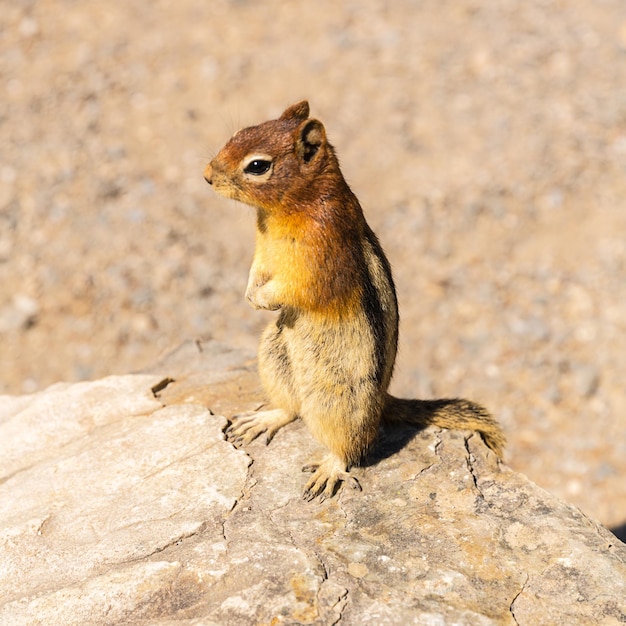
(121, 503)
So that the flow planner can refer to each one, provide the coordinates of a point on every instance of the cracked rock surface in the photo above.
(121, 503)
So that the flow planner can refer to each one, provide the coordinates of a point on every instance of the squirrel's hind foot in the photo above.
(245, 427)
(327, 479)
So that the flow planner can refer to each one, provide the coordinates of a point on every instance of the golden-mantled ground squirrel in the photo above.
(329, 356)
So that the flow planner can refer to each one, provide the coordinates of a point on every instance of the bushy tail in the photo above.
(455, 414)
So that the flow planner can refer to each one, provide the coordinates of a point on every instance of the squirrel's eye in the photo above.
(257, 167)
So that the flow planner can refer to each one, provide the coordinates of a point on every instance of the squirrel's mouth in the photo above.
(220, 184)
(222, 190)
(208, 174)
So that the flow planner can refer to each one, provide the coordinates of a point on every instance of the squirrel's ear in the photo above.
(311, 137)
(298, 111)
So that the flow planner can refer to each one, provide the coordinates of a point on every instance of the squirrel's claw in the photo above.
(246, 427)
(328, 477)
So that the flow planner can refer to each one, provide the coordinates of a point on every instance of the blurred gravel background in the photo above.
(486, 141)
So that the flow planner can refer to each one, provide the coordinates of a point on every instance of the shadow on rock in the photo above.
(620, 532)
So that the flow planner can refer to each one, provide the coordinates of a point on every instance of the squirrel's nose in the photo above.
(208, 174)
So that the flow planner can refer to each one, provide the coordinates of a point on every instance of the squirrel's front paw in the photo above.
(260, 295)
(257, 301)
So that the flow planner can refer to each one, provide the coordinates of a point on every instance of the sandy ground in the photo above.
(486, 141)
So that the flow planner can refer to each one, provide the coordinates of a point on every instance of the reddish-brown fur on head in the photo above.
(301, 197)
(299, 154)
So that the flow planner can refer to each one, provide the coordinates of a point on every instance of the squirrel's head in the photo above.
(274, 164)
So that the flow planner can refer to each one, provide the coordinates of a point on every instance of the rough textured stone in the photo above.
(121, 503)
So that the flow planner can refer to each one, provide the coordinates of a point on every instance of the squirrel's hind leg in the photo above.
(277, 379)
(275, 368)
(327, 478)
